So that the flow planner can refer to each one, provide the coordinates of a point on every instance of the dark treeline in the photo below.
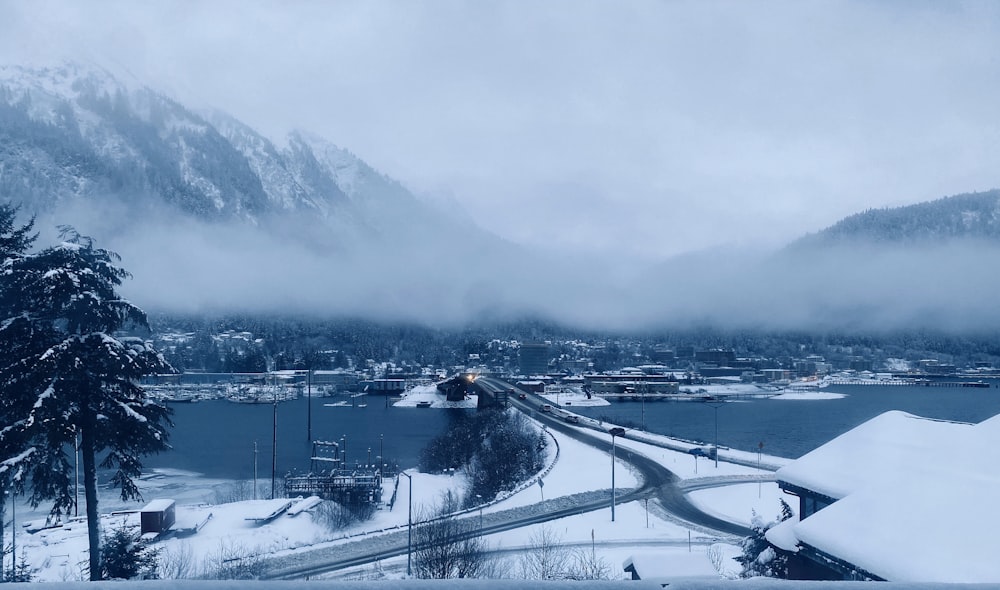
(287, 342)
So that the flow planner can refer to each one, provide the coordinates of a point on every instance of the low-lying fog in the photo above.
(447, 278)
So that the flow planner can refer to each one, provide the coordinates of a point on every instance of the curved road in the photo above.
(658, 482)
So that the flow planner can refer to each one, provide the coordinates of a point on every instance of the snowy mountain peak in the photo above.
(77, 132)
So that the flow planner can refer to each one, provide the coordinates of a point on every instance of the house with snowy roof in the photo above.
(898, 498)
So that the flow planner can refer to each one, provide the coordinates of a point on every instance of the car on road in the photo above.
(546, 408)
(522, 396)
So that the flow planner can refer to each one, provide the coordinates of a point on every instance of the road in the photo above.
(657, 482)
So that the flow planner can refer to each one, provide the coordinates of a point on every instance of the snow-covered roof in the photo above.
(918, 499)
(158, 505)
(884, 448)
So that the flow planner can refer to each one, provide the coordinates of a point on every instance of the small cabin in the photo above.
(157, 516)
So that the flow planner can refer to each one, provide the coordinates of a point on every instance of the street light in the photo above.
(616, 431)
(409, 527)
(479, 499)
(716, 406)
(274, 437)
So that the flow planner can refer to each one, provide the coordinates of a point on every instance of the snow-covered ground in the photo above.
(572, 468)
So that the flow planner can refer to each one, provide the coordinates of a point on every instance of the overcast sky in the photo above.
(637, 128)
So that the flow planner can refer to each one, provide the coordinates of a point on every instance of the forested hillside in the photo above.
(972, 215)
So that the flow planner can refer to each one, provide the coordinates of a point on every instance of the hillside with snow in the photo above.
(966, 216)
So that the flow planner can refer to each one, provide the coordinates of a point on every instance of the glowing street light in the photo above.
(716, 405)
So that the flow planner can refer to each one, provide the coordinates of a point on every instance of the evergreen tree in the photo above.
(14, 242)
(69, 374)
(126, 556)
(760, 558)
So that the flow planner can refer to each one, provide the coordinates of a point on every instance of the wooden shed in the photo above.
(157, 516)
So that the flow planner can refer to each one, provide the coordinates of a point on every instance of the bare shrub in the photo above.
(236, 491)
(178, 563)
(234, 562)
(586, 565)
(448, 547)
(546, 557)
(335, 516)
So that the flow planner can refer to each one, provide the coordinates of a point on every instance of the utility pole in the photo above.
(274, 440)
(309, 410)
(616, 431)
(254, 470)
(409, 527)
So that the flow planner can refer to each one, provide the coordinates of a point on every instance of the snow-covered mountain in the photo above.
(75, 134)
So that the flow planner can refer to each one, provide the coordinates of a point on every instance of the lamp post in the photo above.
(409, 526)
(369, 456)
(616, 431)
(274, 438)
(76, 473)
(479, 500)
(381, 455)
(309, 413)
(13, 532)
(716, 406)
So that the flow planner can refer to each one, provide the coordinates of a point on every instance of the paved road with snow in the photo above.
(657, 482)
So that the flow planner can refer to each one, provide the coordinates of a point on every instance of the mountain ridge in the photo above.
(76, 132)
(968, 215)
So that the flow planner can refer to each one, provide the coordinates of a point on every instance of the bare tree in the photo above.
(546, 557)
(448, 547)
(235, 562)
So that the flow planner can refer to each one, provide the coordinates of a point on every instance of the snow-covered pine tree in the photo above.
(759, 558)
(74, 376)
(14, 242)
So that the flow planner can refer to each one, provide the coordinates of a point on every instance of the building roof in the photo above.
(885, 447)
(917, 499)
(158, 505)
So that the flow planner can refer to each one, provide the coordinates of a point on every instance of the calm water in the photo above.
(791, 428)
(216, 438)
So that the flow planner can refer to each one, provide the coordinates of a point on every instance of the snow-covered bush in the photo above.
(759, 558)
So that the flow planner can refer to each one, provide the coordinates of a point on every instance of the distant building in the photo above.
(663, 355)
(898, 498)
(637, 383)
(773, 375)
(721, 358)
(533, 359)
(860, 364)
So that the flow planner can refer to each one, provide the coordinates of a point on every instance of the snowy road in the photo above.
(657, 482)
